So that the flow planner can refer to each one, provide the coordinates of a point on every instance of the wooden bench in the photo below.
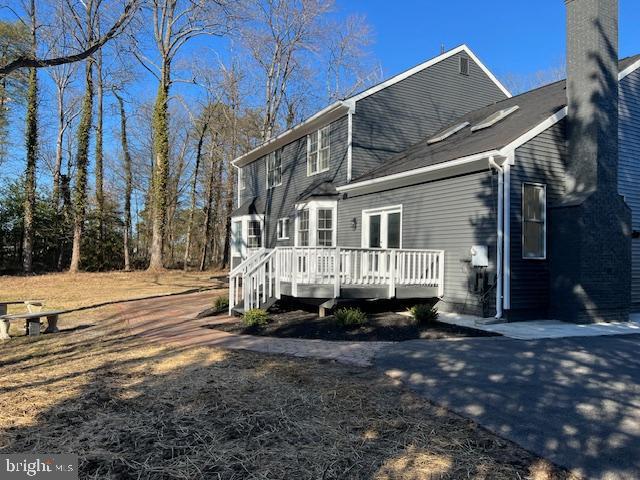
(32, 322)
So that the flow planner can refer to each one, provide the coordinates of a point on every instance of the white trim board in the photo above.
(630, 69)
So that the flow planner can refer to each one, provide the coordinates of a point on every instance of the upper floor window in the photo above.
(242, 181)
(318, 151)
(534, 221)
(274, 169)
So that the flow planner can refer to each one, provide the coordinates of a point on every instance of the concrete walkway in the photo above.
(575, 401)
(172, 320)
(540, 329)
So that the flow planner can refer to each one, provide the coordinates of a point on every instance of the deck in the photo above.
(336, 273)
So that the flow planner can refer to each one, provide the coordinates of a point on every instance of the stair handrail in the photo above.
(246, 262)
(251, 270)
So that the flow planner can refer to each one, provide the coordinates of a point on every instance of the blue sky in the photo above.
(509, 36)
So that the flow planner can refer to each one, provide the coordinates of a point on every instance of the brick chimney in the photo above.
(590, 242)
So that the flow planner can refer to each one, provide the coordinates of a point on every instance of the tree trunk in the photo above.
(128, 183)
(31, 140)
(82, 160)
(207, 210)
(160, 171)
(194, 184)
(30, 172)
(99, 168)
(59, 139)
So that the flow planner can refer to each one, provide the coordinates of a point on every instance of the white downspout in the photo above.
(500, 246)
(506, 291)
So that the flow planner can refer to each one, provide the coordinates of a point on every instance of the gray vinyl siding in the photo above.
(629, 166)
(541, 160)
(280, 201)
(452, 214)
(399, 116)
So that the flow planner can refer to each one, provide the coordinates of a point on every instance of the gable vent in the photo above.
(464, 65)
(494, 118)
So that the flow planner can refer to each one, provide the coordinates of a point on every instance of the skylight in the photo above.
(494, 118)
(447, 133)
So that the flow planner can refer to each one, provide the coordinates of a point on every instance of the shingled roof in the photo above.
(535, 107)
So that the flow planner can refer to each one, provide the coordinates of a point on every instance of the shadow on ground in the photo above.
(575, 401)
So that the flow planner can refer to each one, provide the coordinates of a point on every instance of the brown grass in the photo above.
(64, 290)
(132, 410)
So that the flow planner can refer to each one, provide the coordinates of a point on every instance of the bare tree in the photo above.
(298, 50)
(175, 23)
(32, 61)
(520, 83)
(31, 144)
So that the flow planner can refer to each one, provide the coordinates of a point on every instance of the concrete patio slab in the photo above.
(539, 329)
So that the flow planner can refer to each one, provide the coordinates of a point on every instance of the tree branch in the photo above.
(30, 62)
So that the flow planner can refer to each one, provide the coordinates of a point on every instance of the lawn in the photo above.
(132, 409)
(65, 291)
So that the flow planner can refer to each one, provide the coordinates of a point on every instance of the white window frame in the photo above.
(321, 133)
(280, 229)
(384, 224)
(242, 250)
(313, 206)
(272, 165)
(544, 220)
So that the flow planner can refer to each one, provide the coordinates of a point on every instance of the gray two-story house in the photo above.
(437, 183)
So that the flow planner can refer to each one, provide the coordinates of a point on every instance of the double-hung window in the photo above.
(318, 151)
(274, 169)
(283, 228)
(534, 221)
(303, 227)
(325, 227)
(254, 234)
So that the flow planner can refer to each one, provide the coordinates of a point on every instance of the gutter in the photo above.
(500, 246)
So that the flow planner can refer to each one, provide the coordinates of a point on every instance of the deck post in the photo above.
(392, 274)
(277, 274)
(441, 274)
(336, 285)
(294, 273)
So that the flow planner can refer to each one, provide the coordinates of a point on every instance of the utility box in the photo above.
(479, 256)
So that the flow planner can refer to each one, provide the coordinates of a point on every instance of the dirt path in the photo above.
(172, 320)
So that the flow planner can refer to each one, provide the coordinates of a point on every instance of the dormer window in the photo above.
(318, 151)
(494, 118)
(464, 66)
(274, 169)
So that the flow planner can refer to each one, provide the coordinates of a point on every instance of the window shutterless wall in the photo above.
(280, 200)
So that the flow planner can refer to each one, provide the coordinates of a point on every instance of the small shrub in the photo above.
(221, 303)
(256, 317)
(350, 317)
(424, 314)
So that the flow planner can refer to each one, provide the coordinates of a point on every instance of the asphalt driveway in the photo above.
(575, 401)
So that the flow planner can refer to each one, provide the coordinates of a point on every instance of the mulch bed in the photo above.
(381, 326)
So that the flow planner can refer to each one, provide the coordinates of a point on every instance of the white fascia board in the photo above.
(327, 115)
(535, 131)
(409, 174)
(427, 64)
(630, 69)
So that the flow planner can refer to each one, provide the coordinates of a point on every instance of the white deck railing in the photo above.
(261, 274)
